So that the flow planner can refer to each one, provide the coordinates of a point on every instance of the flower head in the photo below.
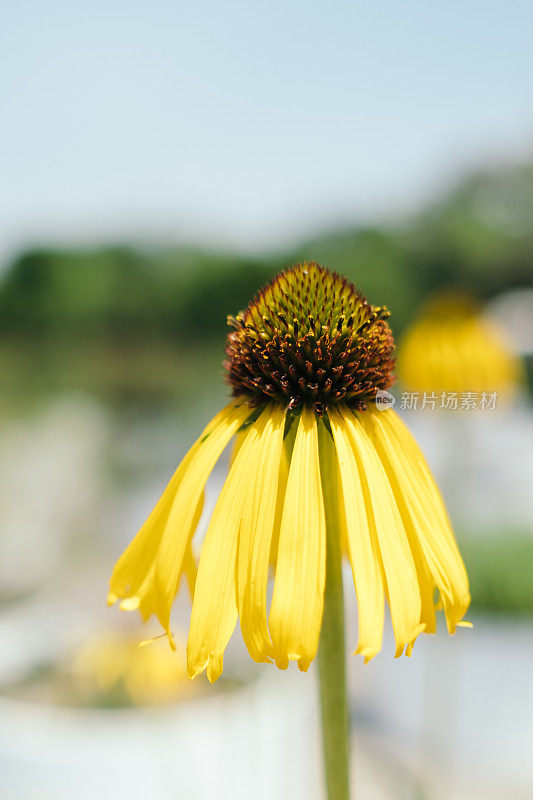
(310, 338)
(305, 361)
(452, 347)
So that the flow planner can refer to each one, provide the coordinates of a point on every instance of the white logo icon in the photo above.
(384, 400)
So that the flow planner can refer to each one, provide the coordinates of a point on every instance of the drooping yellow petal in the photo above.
(424, 505)
(214, 609)
(146, 599)
(183, 513)
(298, 598)
(134, 568)
(362, 544)
(286, 455)
(190, 569)
(412, 513)
(134, 577)
(343, 530)
(237, 441)
(256, 532)
(400, 572)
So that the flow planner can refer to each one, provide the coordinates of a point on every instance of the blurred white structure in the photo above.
(457, 715)
(259, 741)
(483, 464)
(513, 312)
(52, 484)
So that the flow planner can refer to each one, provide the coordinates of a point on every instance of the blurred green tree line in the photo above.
(124, 294)
(479, 237)
(149, 325)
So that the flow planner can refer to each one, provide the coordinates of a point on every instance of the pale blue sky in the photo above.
(247, 123)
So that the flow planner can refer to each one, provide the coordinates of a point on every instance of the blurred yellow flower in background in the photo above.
(452, 347)
(305, 361)
(148, 675)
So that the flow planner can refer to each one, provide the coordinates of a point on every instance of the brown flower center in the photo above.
(309, 337)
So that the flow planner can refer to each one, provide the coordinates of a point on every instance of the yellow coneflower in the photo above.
(304, 361)
(452, 347)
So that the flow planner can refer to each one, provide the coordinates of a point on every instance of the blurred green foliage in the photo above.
(500, 569)
(119, 293)
(96, 313)
(479, 237)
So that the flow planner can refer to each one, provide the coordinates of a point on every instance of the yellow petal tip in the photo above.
(408, 645)
(214, 668)
(130, 603)
(366, 652)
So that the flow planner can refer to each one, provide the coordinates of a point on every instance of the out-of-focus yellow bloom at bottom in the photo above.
(148, 675)
(453, 348)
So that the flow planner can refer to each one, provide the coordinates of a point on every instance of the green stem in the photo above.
(331, 652)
